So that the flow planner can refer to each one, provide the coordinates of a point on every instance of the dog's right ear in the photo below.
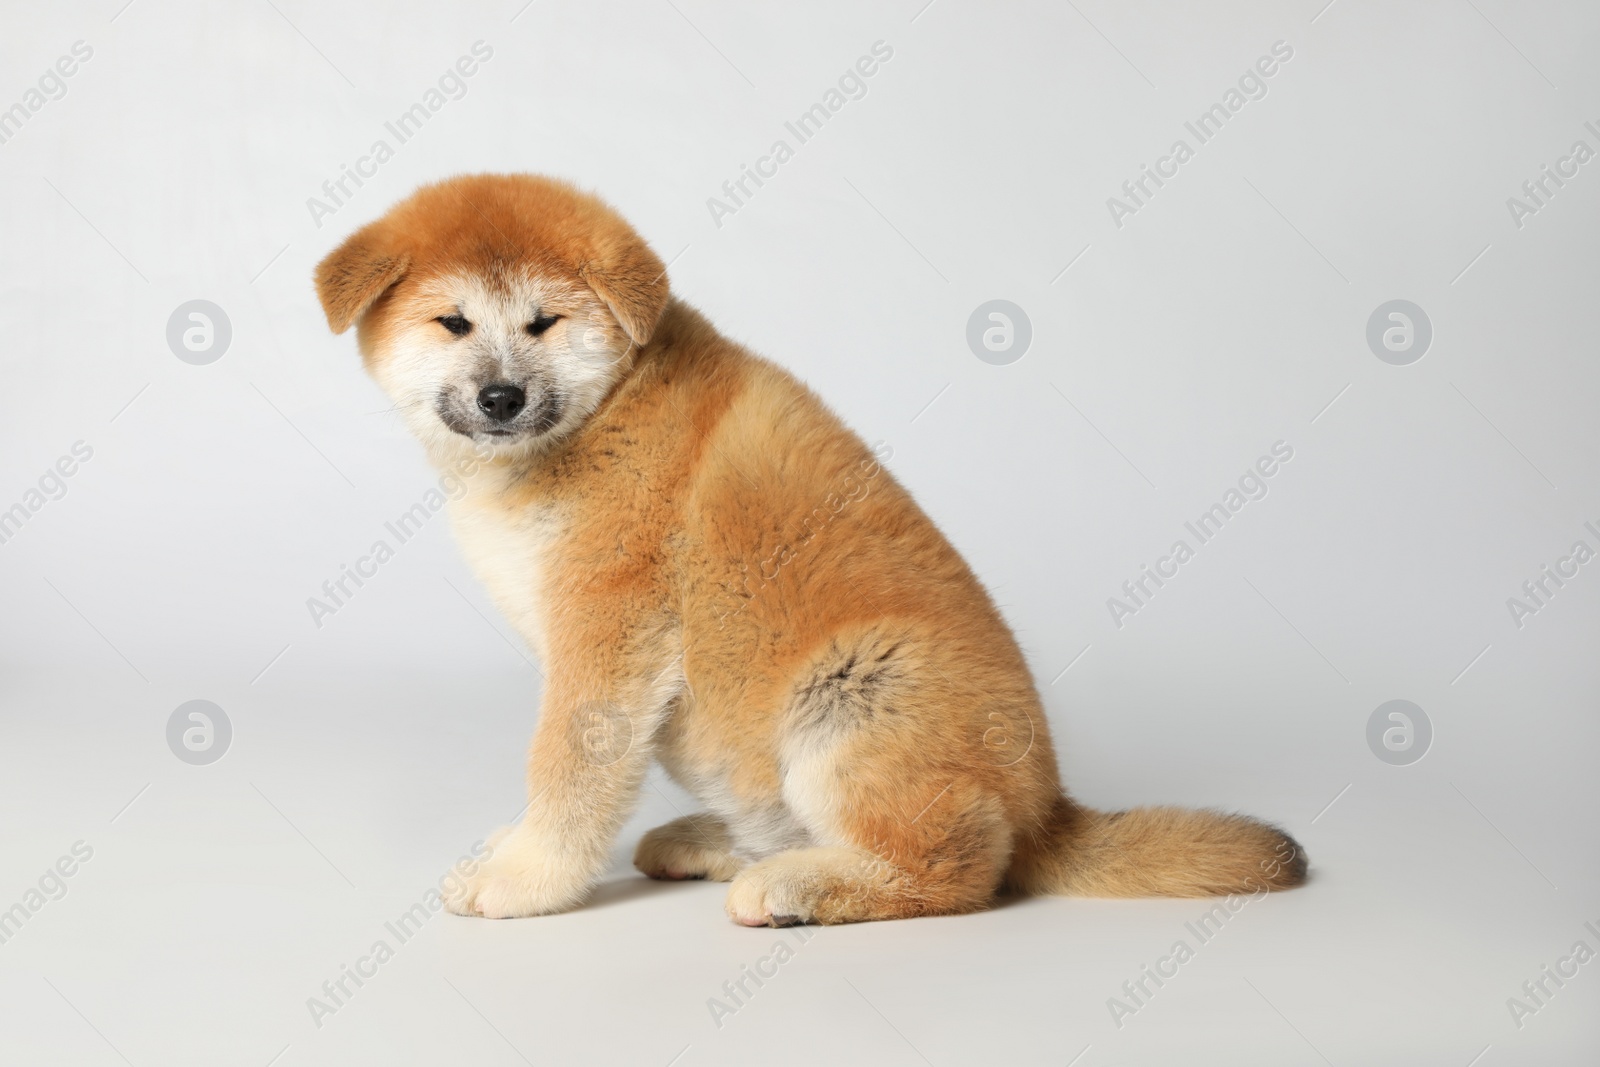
(356, 274)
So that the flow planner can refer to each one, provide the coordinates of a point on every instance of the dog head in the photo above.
(496, 310)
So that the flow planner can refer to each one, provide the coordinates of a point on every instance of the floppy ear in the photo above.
(355, 274)
(632, 281)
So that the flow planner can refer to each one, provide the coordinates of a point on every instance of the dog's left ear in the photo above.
(632, 281)
(356, 274)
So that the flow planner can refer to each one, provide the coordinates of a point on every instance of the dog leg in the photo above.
(585, 768)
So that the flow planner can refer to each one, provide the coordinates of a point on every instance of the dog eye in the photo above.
(455, 324)
(541, 324)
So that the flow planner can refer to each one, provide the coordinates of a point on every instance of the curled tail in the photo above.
(1155, 852)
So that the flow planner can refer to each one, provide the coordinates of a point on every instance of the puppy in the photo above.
(719, 576)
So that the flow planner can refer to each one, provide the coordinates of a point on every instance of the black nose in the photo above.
(502, 402)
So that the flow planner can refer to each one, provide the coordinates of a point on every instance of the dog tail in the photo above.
(1155, 852)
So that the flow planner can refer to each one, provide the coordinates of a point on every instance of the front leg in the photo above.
(585, 768)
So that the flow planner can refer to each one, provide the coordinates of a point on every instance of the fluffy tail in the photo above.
(1155, 852)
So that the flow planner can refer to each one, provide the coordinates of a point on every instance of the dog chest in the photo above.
(510, 553)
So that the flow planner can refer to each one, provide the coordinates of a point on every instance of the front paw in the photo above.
(517, 879)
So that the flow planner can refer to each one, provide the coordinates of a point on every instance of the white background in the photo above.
(1227, 314)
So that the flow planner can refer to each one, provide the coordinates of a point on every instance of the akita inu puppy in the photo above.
(720, 576)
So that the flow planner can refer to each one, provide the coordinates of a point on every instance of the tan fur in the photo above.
(720, 576)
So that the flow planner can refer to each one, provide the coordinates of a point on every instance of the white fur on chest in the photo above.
(510, 551)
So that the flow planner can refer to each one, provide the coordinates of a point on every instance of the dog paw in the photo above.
(517, 879)
(770, 894)
(686, 849)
